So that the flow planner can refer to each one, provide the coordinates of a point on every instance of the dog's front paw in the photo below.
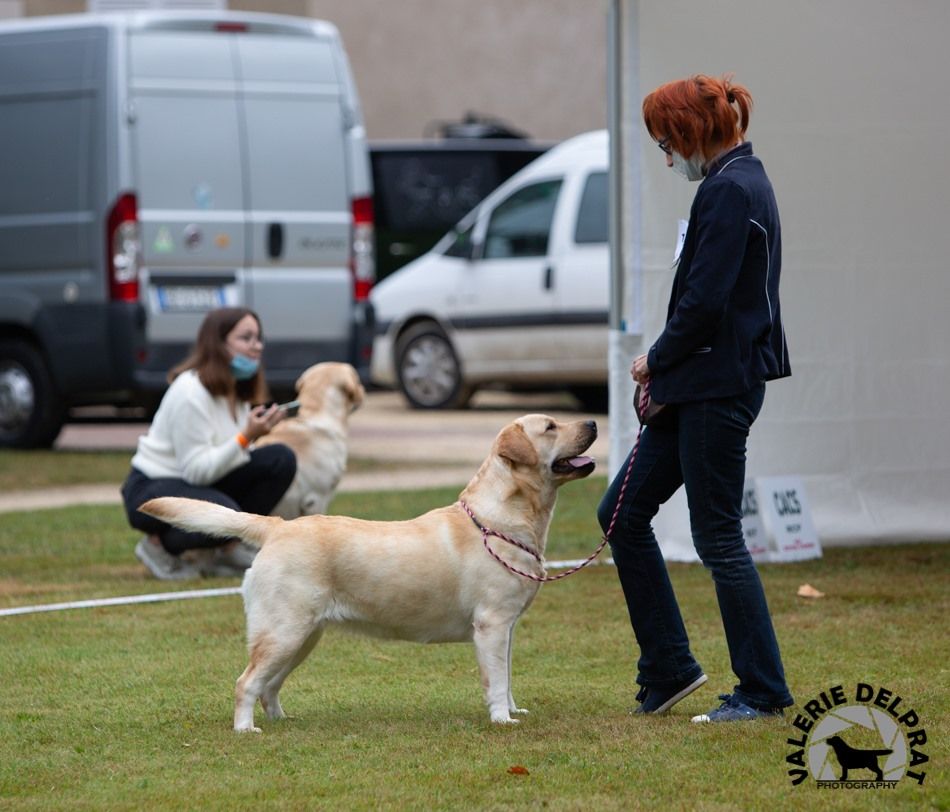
(250, 729)
(504, 719)
(523, 711)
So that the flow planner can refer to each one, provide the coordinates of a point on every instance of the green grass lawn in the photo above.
(130, 707)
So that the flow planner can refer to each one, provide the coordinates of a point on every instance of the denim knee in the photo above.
(605, 511)
(727, 559)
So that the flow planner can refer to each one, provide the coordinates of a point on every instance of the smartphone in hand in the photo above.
(291, 407)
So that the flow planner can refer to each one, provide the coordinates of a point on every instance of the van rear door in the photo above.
(187, 165)
(299, 208)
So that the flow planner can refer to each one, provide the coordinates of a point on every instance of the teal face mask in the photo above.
(244, 368)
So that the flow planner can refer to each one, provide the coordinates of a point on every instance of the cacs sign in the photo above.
(776, 520)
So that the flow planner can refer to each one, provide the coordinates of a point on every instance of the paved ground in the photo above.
(384, 429)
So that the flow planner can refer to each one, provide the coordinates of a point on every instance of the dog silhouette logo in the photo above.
(851, 758)
(874, 742)
(863, 738)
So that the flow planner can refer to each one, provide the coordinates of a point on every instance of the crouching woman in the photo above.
(201, 445)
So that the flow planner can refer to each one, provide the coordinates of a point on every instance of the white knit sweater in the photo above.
(193, 436)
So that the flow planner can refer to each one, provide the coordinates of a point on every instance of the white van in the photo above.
(155, 166)
(516, 294)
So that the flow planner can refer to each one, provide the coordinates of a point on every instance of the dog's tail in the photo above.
(197, 516)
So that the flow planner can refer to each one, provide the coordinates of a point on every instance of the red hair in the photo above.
(699, 113)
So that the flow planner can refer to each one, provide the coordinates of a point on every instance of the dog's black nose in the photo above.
(592, 425)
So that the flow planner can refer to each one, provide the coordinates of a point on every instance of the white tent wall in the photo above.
(851, 111)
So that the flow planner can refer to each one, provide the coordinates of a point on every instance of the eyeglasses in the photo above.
(665, 145)
(249, 338)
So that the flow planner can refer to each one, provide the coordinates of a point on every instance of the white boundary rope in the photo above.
(126, 600)
(184, 595)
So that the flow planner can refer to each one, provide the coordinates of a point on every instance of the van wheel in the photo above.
(31, 413)
(428, 369)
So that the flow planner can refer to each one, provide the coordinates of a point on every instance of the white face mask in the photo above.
(690, 168)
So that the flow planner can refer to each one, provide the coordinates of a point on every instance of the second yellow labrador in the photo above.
(429, 579)
(328, 393)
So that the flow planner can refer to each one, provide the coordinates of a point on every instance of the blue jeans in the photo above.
(706, 451)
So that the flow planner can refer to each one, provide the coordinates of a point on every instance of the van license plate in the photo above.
(189, 298)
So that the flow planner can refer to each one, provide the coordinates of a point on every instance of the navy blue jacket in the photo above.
(724, 332)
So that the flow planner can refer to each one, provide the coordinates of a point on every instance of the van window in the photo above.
(462, 244)
(592, 212)
(520, 226)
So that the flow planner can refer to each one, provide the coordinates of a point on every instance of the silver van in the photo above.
(154, 166)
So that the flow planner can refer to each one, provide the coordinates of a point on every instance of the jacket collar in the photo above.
(743, 150)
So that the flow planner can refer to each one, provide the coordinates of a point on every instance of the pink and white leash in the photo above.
(487, 531)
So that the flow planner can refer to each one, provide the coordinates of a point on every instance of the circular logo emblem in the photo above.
(865, 737)
(857, 742)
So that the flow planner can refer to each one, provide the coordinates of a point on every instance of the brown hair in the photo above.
(699, 113)
(212, 361)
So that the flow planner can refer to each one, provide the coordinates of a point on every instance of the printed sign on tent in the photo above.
(776, 520)
(753, 529)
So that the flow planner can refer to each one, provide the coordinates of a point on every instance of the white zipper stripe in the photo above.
(732, 160)
(768, 267)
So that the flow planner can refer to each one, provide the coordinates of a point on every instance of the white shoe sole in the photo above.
(700, 680)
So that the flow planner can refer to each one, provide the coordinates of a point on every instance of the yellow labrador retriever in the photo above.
(429, 579)
(328, 393)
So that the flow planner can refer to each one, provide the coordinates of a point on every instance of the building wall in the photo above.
(539, 65)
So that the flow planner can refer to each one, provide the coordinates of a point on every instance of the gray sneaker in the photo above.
(240, 554)
(229, 561)
(162, 564)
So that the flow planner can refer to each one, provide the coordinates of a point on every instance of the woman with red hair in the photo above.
(722, 341)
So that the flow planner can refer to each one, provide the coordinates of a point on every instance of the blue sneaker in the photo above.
(732, 710)
(659, 700)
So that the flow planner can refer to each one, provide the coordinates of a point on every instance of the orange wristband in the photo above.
(242, 440)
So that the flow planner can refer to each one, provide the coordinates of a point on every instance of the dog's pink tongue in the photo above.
(580, 462)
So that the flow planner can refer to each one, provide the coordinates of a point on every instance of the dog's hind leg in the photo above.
(271, 652)
(269, 698)
(512, 706)
(491, 639)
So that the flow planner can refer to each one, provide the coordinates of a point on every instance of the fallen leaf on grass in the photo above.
(808, 591)
(517, 769)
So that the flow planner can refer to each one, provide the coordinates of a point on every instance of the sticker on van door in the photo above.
(163, 244)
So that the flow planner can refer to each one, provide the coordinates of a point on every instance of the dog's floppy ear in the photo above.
(513, 445)
(354, 388)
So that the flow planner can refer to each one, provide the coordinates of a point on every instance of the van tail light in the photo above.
(123, 249)
(362, 262)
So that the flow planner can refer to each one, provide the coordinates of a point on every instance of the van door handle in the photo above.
(275, 240)
(549, 277)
